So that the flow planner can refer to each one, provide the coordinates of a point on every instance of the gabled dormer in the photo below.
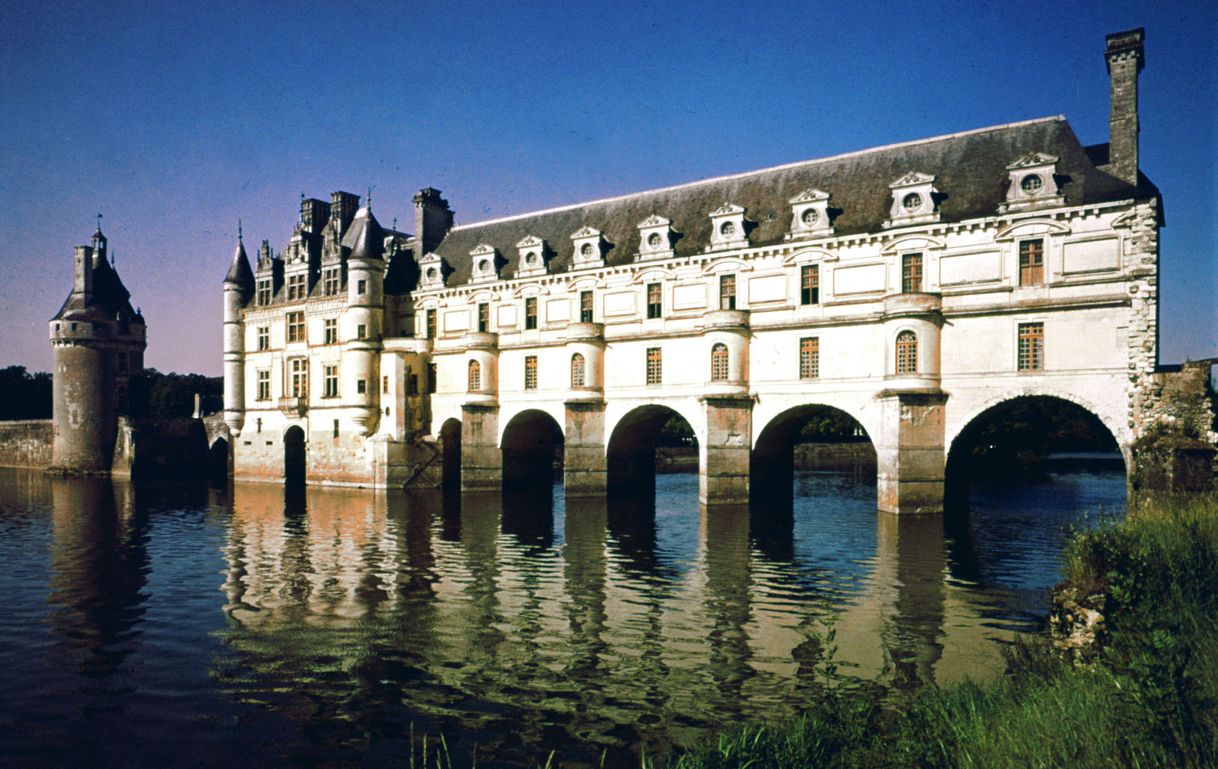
(484, 264)
(532, 257)
(1032, 183)
(656, 238)
(913, 200)
(588, 248)
(431, 271)
(810, 214)
(728, 228)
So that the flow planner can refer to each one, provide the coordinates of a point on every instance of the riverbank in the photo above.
(1129, 677)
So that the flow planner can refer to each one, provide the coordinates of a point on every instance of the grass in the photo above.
(1148, 698)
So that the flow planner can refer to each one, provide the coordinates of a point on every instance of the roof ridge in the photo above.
(769, 169)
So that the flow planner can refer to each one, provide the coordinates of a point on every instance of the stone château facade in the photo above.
(913, 286)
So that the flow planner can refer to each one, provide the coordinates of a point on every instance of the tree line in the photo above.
(152, 394)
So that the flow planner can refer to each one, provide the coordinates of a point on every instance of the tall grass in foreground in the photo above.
(1148, 699)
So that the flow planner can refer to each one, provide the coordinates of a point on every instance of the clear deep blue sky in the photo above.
(174, 119)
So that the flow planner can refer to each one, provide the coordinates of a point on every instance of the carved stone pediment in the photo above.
(1032, 183)
(728, 228)
(484, 264)
(810, 214)
(656, 237)
(533, 257)
(589, 248)
(914, 200)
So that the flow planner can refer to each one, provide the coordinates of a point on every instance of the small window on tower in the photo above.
(727, 291)
(585, 306)
(361, 386)
(911, 273)
(361, 331)
(431, 324)
(484, 317)
(361, 287)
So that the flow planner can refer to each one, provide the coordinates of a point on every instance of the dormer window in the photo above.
(1032, 183)
(913, 200)
(532, 257)
(727, 228)
(589, 248)
(431, 268)
(810, 214)
(656, 237)
(484, 264)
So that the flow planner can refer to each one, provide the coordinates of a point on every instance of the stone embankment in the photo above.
(26, 443)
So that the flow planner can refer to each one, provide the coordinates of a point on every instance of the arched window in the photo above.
(475, 376)
(719, 358)
(907, 353)
(577, 370)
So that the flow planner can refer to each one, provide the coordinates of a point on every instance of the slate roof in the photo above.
(969, 170)
(109, 298)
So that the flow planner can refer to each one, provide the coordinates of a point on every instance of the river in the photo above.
(182, 625)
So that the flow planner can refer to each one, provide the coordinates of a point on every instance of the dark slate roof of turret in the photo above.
(239, 272)
(969, 170)
(109, 297)
(365, 237)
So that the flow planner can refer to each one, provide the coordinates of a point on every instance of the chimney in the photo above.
(82, 268)
(1124, 57)
(432, 219)
(314, 214)
(343, 206)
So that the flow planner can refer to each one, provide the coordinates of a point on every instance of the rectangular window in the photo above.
(1031, 262)
(431, 378)
(655, 308)
(330, 375)
(727, 292)
(809, 284)
(1031, 346)
(361, 331)
(264, 338)
(809, 357)
(361, 287)
(264, 292)
(299, 368)
(655, 366)
(330, 281)
(911, 273)
(296, 327)
(530, 372)
(335, 428)
(484, 317)
(296, 287)
(264, 385)
(361, 386)
(331, 328)
(585, 306)
(385, 385)
(431, 324)
(530, 312)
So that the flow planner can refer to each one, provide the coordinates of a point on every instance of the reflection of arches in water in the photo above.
(528, 515)
(910, 555)
(645, 436)
(217, 460)
(841, 443)
(632, 530)
(450, 453)
(294, 457)
(532, 451)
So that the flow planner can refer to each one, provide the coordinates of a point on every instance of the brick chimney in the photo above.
(1125, 61)
(432, 218)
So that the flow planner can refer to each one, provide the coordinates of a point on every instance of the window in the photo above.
(296, 287)
(578, 368)
(122, 363)
(530, 372)
(385, 385)
(911, 273)
(264, 292)
(654, 305)
(330, 381)
(264, 386)
(330, 325)
(329, 281)
(719, 360)
(655, 366)
(431, 378)
(727, 291)
(530, 312)
(585, 306)
(484, 317)
(264, 338)
(431, 324)
(296, 327)
(907, 353)
(361, 331)
(299, 369)
(361, 386)
(335, 428)
(475, 376)
(1031, 346)
(361, 287)
(809, 357)
(809, 284)
(1031, 262)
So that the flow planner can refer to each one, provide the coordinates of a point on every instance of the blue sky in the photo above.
(176, 119)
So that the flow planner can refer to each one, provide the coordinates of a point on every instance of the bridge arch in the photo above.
(532, 446)
(295, 456)
(450, 453)
(772, 463)
(631, 449)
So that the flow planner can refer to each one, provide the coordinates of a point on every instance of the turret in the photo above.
(1125, 60)
(238, 288)
(363, 318)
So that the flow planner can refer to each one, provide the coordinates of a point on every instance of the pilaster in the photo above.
(585, 471)
(723, 477)
(481, 459)
(910, 452)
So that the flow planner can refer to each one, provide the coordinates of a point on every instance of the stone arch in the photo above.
(295, 456)
(532, 446)
(218, 465)
(632, 449)
(450, 453)
(772, 462)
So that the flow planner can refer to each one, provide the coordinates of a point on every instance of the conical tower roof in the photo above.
(239, 272)
(365, 238)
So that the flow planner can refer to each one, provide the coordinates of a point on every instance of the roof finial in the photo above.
(240, 232)
(369, 203)
(99, 218)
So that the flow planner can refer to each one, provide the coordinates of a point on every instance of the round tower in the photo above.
(238, 288)
(363, 319)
